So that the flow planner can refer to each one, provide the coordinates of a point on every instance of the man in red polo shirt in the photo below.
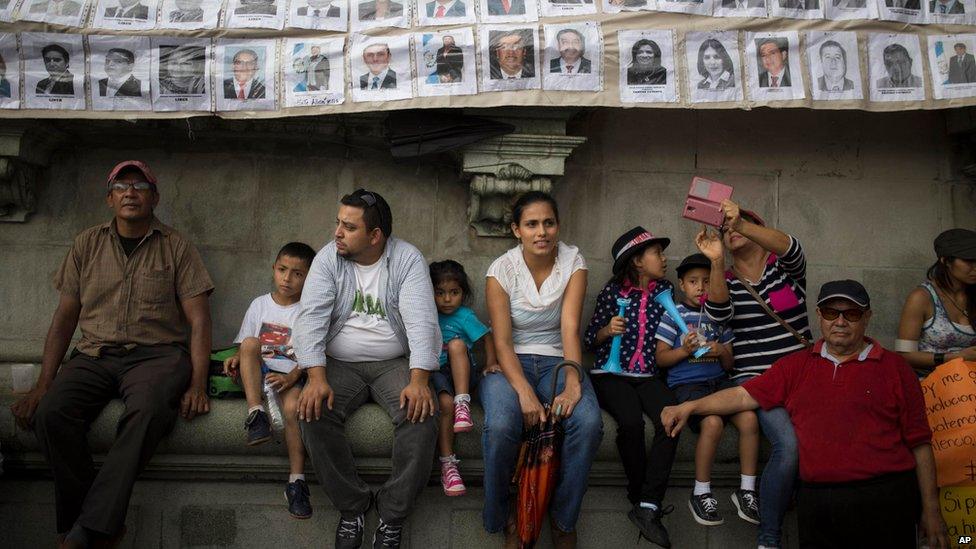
(865, 456)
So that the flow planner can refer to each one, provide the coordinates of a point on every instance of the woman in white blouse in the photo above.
(535, 298)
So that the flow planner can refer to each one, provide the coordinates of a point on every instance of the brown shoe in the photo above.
(562, 540)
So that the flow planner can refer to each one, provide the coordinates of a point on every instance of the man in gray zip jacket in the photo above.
(368, 327)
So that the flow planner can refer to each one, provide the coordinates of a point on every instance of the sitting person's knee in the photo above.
(457, 345)
(747, 423)
(711, 425)
(633, 427)
(250, 345)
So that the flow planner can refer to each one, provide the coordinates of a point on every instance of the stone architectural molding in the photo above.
(24, 150)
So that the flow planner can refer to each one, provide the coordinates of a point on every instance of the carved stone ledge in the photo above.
(504, 167)
(24, 150)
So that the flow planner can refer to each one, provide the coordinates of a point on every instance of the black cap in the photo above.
(960, 243)
(372, 199)
(631, 242)
(693, 261)
(850, 290)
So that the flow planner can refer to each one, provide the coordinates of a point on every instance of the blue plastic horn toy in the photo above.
(665, 300)
(613, 361)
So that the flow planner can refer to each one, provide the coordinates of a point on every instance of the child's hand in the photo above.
(690, 343)
(232, 366)
(492, 369)
(616, 326)
(714, 350)
(281, 382)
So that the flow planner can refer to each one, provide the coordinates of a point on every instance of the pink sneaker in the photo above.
(451, 478)
(462, 417)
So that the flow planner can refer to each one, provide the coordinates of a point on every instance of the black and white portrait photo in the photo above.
(647, 66)
(125, 14)
(380, 68)
(698, 7)
(846, 10)
(54, 71)
(255, 14)
(895, 63)
(739, 8)
(558, 8)
(796, 9)
(181, 74)
(835, 68)
(58, 12)
(190, 14)
(905, 11)
(512, 52)
(573, 56)
(713, 66)
(120, 73)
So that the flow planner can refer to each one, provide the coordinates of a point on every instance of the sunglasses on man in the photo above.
(850, 315)
(137, 185)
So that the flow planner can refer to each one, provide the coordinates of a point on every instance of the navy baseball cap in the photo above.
(850, 290)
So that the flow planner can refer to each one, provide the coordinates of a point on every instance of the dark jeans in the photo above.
(413, 443)
(628, 399)
(151, 381)
(878, 512)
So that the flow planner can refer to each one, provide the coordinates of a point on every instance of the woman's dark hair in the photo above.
(640, 44)
(720, 50)
(527, 199)
(939, 274)
(447, 270)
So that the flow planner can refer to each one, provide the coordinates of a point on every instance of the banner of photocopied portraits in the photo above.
(271, 58)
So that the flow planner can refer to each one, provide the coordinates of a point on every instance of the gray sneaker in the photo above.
(746, 504)
(705, 509)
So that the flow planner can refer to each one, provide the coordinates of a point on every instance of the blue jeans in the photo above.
(503, 436)
(779, 475)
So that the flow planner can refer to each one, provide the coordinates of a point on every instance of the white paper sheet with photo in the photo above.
(54, 71)
(380, 68)
(509, 11)
(119, 73)
(648, 67)
(7, 10)
(125, 14)
(255, 14)
(953, 65)
(697, 7)
(246, 71)
(835, 66)
(375, 14)
(190, 14)
(847, 10)
(951, 12)
(559, 8)
(739, 8)
(714, 69)
(619, 6)
(181, 74)
(905, 11)
(330, 15)
(509, 57)
(57, 12)
(446, 68)
(573, 58)
(10, 74)
(445, 12)
(773, 71)
(313, 71)
(895, 67)
(796, 9)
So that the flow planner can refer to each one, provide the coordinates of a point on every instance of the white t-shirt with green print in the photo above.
(367, 336)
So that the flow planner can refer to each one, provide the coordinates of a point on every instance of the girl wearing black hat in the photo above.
(639, 265)
(938, 321)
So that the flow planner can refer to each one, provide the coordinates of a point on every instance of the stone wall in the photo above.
(864, 192)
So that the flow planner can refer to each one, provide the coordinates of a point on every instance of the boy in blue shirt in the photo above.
(693, 378)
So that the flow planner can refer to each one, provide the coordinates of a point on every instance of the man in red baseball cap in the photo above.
(139, 292)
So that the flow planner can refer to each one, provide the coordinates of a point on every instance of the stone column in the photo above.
(24, 150)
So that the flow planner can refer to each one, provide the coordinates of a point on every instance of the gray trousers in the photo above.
(413, 443)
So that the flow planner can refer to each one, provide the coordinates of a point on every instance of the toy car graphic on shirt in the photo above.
(276, 341)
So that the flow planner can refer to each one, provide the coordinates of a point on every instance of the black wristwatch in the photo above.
(938, 358)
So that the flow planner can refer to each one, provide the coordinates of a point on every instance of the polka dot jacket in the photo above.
(637, 356)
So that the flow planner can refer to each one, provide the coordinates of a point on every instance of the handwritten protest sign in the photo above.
(959, 511)
(950, 402)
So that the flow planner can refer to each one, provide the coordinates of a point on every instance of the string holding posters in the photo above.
(773, 66)
(255, 14)
(647, 66)
(894, 65)
(797, 9)
(246, 73)
(56, 12)
(446, 62)
(374, 14)
(697, 7)
(180, 74)
(9, 71)
(739, 8)
(953, 65)
(559, 8)
(445, 12)
(119, 73)
(846, 10)
(509, 11)
(574, 57)
(314, 72)
(512, 54)
(713, 66)
(125, 14)
(835, 67)
(380, 68)
(190, 14)
(54, 71)
(905, 11)
(332, 15)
